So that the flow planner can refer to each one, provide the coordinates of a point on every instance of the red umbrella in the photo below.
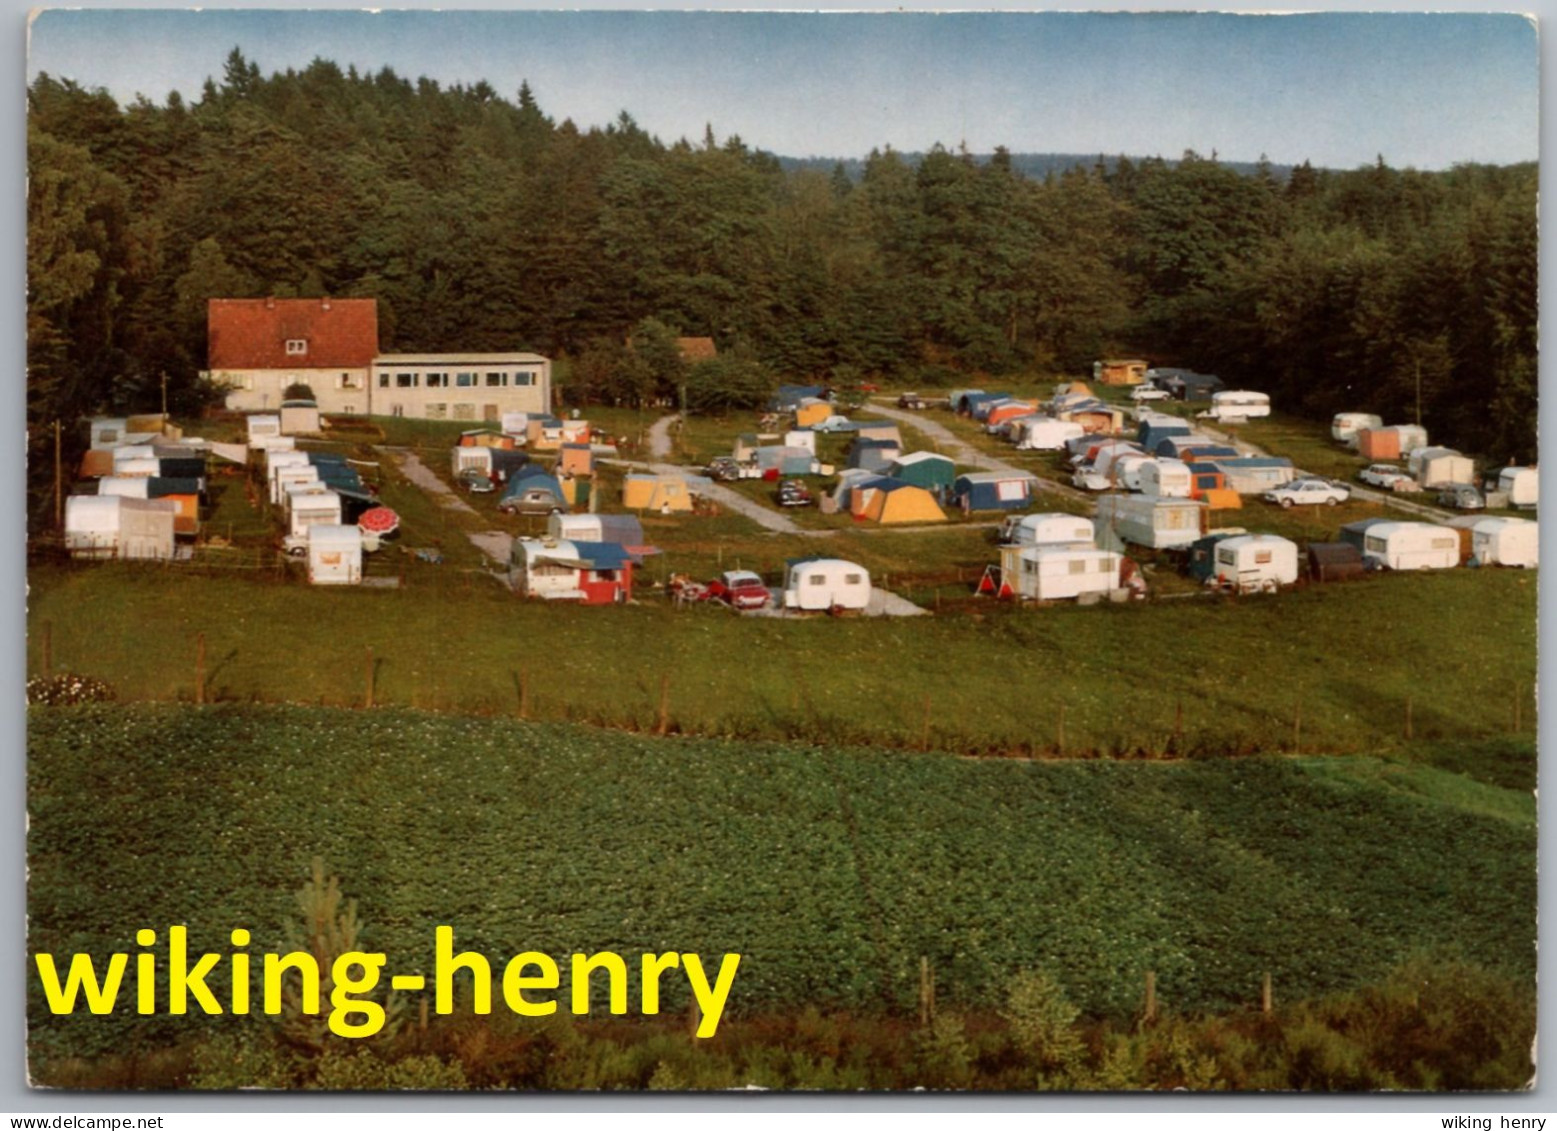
(380, 520)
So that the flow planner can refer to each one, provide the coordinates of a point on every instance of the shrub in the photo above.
(68, 689)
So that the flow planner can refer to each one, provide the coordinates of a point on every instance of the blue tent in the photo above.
(993, 491)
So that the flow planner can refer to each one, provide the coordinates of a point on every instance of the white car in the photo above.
(1308, 491)
(1149, 393)
(1387, 476)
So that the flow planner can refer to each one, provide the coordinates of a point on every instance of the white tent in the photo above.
(1440, 467)
(1045, 434)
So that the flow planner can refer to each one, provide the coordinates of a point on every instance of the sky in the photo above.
(1422, 90)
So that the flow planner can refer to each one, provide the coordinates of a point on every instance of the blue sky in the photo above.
(1427, 90)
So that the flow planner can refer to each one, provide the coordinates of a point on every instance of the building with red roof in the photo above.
(257, 347)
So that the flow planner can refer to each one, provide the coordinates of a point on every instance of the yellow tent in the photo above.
(810, 413)
(896, 502)
(664, 493)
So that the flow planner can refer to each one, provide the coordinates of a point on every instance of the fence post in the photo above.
(200, 668)
(1265, 998)
(1297, 730)
(694, 1017)
(1518, 705)
(924, 736)
(924, 990)
(372, 676)
(524, 693)
(47, 647)
(1059, 743)
(1151, 996)
(1408, 719)
(664, 720)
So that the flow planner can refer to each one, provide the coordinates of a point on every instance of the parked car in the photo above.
(1308, 491)
(793, 493)
(1387, 476)
(476, 482)
(723, 469)
(834, 424)
(1149, 393)
(911, 400)
(738, 588)
(1462, 497)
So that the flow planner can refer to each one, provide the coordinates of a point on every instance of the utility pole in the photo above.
(164, 396)
(59, 481)
(1418, 361)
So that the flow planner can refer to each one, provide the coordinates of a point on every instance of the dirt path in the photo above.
(965, 453)
(659, 436)
(495, 544)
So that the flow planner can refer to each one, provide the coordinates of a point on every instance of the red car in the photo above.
(740, 589)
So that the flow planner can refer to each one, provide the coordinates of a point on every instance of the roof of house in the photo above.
(696, 349)
(252, 333)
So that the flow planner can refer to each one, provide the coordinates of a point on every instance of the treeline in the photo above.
(480, 222)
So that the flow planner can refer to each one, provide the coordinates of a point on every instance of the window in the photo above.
(438, 411)
(465, 380)
(464, 412)
(347, 381)
(1375, 545)
(854, 579)
(297, 347)
(496, 380)
(524, 378)
(383, 380)
(397, 410)
(1078, 566)
(816, 579)
(1262, 557)
(405, 380)
(108, 436)
(437, 380)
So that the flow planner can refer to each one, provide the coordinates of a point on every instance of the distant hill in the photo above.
(1034, 165)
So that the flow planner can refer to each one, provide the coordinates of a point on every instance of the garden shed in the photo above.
(1334, 561)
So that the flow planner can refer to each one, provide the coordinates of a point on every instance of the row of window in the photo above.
(522, 379)
(440, 411)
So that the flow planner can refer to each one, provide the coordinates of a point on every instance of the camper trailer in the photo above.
(92, 526)
(823, 584)
(1506, 542)
(592, 573)
(263, 427)
(1522, 485)
(1168, 478)
(1254, 563)
(1390, 442)
(308, 506)
(623, 529)
(334, 555)
(1345, 426)
(1147, 520)
(1232, 405)
(1058, 573)
(1056, 529)
(1411, 545)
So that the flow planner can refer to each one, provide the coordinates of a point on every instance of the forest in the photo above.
(480, 222)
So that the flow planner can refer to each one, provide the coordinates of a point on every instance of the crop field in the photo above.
(1352, 668)
(832, 871)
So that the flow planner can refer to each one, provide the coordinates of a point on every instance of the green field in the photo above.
(832, 871)
(1456, 649)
